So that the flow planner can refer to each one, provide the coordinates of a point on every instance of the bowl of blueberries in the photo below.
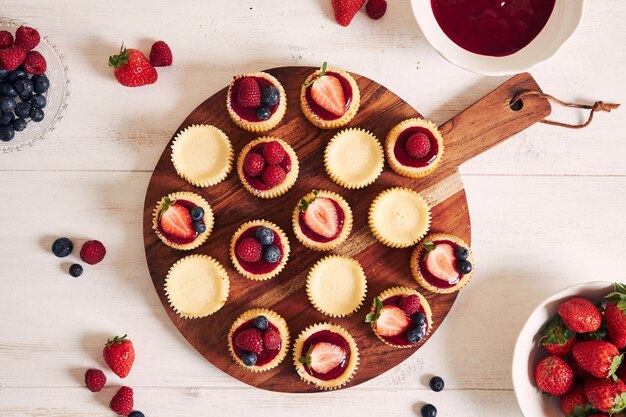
(34, 86)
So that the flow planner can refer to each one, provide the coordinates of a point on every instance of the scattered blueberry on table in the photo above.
(436, 383)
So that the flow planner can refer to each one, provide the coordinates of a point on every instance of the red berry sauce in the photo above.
(403, 157)
(401, 339)
(306, 230)
(175, 239)
(430, 278)
(259, 267)
(257, 182)
(249, 113)
(323, 113)
(335, 339)
(264, 357)
(492, 27)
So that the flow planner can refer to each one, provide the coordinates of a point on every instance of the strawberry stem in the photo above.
(117, 340)
(120, 59)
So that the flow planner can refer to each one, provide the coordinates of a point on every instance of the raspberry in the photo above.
(271, 339)
(273, 175)
(26, 38)
(418, 145)
(273, 152)
(410, 304)
(160, 55)
(95, 379)
(34, 63)
(249, 92)
(11, 58)
(376, 8)
(92, 252)
(6, 39)
(254, 164)
(250, 340)
(122, 402)
(249, 249)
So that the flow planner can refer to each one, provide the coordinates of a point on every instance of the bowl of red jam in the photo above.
(497, 37)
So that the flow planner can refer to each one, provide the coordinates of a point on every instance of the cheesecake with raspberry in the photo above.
(414, 148)
(256, 101)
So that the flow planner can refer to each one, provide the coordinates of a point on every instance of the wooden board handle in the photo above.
(490, 121)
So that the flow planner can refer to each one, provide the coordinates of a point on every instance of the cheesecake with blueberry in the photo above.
(330, 98)
(259, 250)
(326, 355)
(400, 317)
(268, 167)
(322, 220)
(442, 263)
(259, 340)
(183, 220)
(414, 148)
(256, 101)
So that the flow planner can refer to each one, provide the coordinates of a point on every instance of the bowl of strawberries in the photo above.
(572, 349)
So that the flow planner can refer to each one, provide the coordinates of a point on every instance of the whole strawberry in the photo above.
(26, 38)
(160, 54)
(558, 339)
(12, 58)
(601, 359)
(579, 372)
(615, 315)
(119, 354)
(95, 379)
(6, 39)
(554, 376)
(580, 315)
(92, 252)
(345, 10)
(132, 68)
(34, 63)
(575, 400)
(122, 402)
(606, 395)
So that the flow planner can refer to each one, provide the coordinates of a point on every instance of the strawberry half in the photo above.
(321, 217)
(441, 262)
(615, 316)
(327, 92)
(324, 357)
(392, 321)
(176, 220)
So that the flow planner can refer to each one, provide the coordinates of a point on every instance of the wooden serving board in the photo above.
(483, 125)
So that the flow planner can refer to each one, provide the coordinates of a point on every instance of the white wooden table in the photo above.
(548, 206)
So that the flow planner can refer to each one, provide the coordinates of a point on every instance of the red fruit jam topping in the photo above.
(259, 267)
(435, 280)
(338, 218)
(400, 150)
(257, 182)
(175, 239)
(267, 355)
(249, 113)
(493, 28)
(323, 113)
(401, 339)
(332, 338)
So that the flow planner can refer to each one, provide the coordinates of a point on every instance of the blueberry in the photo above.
(271, 254)
(15, 74)
(38, 101)
(197, 213)
(6, 118)
(415, 335)
(419, 319)
(136, 414)
(36, 115)
(429, 410)
(461, 253)
(261, 323)
(76, 270)
(7, 90)
(249, 358)
(62, 247)
(19, 124)
(263, 113)
(23, 86)
(7, 104)
(3, 73)
(269, 96)
(41, 83)
(465, 267)
(7, 133)
(22, 109)
(25, 96)
(199, 226)
(436, 383)
(265, 235)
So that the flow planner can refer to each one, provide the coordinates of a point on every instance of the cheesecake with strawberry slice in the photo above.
(400, 317)
(330, 98)
(326, 355)
(442, 263)
(268, 167)
(414, 148)
(183, 220)
(322, 220)
(256, 101)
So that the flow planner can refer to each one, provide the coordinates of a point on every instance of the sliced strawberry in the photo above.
(321, 217)
(441, 263)
(392, 321)
(325, 357)
(327, 92)
(176, 221)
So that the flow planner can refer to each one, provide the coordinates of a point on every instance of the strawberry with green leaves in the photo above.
(119, 354)
(601, 359)
(606, 395)
(615, 315)
(574, 403)
(580, 315)
(557, 339)
(132, 68)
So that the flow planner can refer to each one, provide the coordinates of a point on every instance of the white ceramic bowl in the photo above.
(562, 24)
(528, 352)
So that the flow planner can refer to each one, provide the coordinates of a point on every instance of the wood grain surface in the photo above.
(486, 123)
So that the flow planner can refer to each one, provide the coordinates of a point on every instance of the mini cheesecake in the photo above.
(268, 167)
(183, 220)
(400, 317)
(442, 263)
(414, 148)
(256, 101)
(329, 98)
(259, 250)
(258, 340)
(322, 220)
(326, 355)
(202, 155)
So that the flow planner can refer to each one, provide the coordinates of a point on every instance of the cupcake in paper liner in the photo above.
(414, 148)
